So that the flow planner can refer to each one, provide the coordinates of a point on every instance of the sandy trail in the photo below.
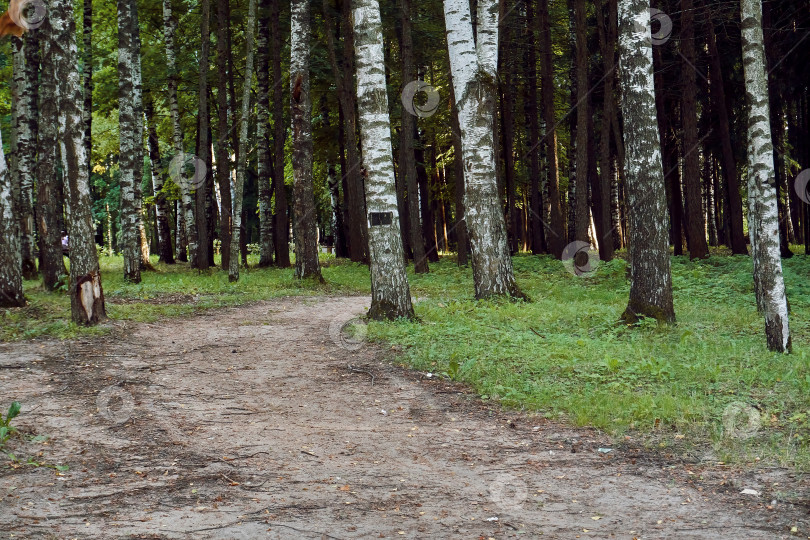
(248, 423)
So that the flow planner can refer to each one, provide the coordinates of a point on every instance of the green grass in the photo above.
(563, 354)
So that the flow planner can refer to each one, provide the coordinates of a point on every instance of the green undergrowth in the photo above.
(565, 355)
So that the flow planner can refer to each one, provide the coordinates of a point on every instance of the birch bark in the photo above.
(390, 292)
(650, 274)
(763, 216)
(473, 63)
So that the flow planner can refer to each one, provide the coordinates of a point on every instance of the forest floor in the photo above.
(265, 421)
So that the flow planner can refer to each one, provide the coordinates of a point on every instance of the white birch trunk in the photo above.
(763, 214)
(391, 297)
(473, 65)
(11, 289)
(238, 191)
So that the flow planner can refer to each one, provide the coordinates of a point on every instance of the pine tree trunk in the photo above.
(407, 159)
(473, 65)
(281, 222)
(729, 166)
(24, 119)
(556, 237)
(238, 189)
(607, 40)
(130, 121)
(462, 237)
(305, 218)
(693, 199)
(507, 106)
(763, 216)
(60, 51)
(263, 141)
(223, 159)
(49, 185)
(537, 234)
(650, 275)
(204, 186)
(582, 215)
(391, 297)
(161, 206)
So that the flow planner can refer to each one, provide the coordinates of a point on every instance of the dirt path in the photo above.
(248, 423)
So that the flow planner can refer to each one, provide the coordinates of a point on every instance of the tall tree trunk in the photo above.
(161, 206)
(130, 121)
(538, 235)
(186, 236)
(223, 159)
(390, 292)
(556, 236)
(305, 218)
(462, 238)
(428, 225)
(25, 137)
(650, 275)
(607, 41)
(507, 106)
(582, 215)
(238, 189)
(763, 216)
(281, 223)
(86, 292)
(729, 165)
(49, 185)
(473, 63)
(695, 221)
(407, 159)
(87, 72)
(204, 184)
(11, 286)
(262, 140)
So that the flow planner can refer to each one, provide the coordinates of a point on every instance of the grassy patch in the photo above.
(565, 355)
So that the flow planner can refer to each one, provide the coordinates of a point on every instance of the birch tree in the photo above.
(130, 121)
(650, 274)
(306, 241)
(238, 189)
(763, 215)
(11, 289)
(473, 64)
(60, 52)
(390, 292)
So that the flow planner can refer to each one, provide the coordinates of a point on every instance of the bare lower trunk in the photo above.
(651, 280)
(161, 206)
(763, 215)
(390, 293)
(86, 292)
(305, 218)
(238, 189)
(11, 289)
